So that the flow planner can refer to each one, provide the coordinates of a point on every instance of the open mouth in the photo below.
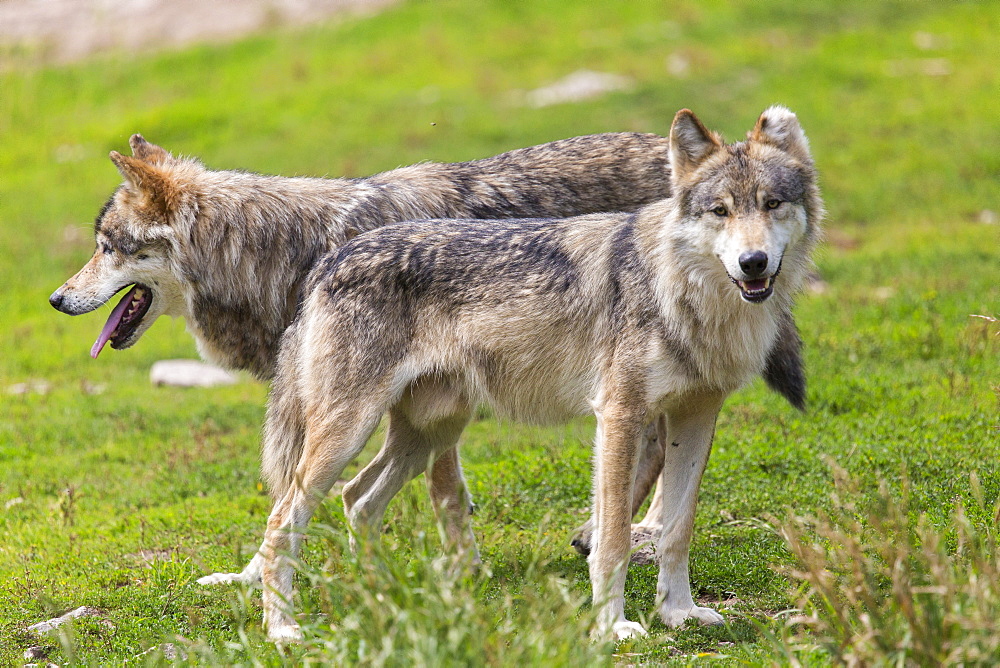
(757, 290)
(124, 319)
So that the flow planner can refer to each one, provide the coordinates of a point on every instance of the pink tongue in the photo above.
(113, 321)
(756, 285)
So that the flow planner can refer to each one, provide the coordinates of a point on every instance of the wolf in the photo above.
(631, 316)
(229, 251)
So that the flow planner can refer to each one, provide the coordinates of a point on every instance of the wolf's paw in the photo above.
(677, 616)
(285, 634)
(620, 630)
(581, 539)
(626, 629)
(249, 579)
(651, 528)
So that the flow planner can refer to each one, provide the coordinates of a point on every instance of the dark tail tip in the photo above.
(784, 372)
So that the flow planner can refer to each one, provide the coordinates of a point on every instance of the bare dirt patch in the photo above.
(63, 31)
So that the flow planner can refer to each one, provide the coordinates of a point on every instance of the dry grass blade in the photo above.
(883, 587)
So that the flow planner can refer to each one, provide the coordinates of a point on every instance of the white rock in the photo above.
(189, 373)
(578, 86)
(56, 622)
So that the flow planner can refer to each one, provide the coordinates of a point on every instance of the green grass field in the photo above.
(118, 495)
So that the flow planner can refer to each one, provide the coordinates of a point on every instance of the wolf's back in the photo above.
(615, 171)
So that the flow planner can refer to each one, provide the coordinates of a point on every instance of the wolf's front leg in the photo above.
(412, 442)
(650, 465)
(690, 429)
(619, 429)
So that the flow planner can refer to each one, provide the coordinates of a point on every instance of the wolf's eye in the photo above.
(106, 249)
(720, 211)
(142, 256)
(773, 203)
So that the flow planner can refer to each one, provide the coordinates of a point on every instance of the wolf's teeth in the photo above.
(139, 293)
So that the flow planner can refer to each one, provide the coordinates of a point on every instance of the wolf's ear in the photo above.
(690, 143)
(780, 127)
(151, 153)
(146, 179)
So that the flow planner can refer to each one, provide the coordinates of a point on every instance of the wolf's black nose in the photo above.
(753, 263)
(56, 299)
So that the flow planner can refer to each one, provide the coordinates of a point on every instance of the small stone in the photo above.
(189, 373)
(816, 285)
(644, 546)
(92, 388)
(935, 67)
(35, 653)
(150, 557)
(925, 41)
(884, 292)
(167, 650)
(678, 65)
(33, 386)
(171, 652)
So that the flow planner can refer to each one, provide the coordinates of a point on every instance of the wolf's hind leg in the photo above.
(651, 521)
(333, 437)
(690, 440)
(421, 429)
(453, 503)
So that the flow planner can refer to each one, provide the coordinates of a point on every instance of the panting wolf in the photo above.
(229, 251)
(665, 311)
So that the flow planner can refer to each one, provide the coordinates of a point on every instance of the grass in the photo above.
(117, 495)
(888, 588)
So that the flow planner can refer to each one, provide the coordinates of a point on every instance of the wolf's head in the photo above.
(135, 235)
(754, 205)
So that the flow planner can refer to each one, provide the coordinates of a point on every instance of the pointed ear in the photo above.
(144, 178)
(780, 127)
(151, 153)
(690, 143)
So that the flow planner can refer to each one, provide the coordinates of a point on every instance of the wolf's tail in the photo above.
(784, 373)
(284, 428)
